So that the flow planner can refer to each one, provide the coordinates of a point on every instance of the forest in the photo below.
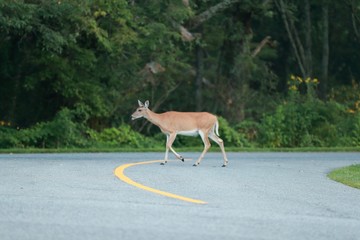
(278, 73)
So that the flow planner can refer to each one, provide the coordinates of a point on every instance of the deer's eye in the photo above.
(139, 110)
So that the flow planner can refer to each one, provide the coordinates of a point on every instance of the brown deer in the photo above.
(183, 123)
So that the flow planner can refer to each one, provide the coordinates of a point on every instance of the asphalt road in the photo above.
(258, 196)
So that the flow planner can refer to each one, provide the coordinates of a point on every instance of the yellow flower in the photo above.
(357, 103)
(293, 88)
(299, 79)
(4, 123)
(308, 80)
(292, 77)
(315, 80)
(350, 111)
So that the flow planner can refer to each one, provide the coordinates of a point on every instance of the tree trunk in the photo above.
(308, 41)
(14, 100)
(199, 77)
(209, 13)
(325, 52)
(293, 36)
(16, 59)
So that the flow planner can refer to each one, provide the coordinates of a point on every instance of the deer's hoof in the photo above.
(182, 159)
(162, 163)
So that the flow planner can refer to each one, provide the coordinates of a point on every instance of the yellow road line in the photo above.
(119, 172)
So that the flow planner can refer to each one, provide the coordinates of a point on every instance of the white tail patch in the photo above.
(217, 128)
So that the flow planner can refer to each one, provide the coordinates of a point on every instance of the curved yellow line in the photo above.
(119, 172)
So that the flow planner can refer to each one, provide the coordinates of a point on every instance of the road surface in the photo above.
(258, 196)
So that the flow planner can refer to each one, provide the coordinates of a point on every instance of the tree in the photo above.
(63, 54)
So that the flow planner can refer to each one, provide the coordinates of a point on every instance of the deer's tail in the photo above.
(216, 127)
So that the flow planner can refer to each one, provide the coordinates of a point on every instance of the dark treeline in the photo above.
(281, 72)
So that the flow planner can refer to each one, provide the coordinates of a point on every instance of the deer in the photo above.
(174, 123)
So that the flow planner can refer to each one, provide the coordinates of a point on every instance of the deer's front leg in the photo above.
(169, 141)
(207, 145)
(177, 155)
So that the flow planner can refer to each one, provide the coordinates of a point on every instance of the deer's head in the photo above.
(141, 111)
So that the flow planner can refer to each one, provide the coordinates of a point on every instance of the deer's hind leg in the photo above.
(219, 142)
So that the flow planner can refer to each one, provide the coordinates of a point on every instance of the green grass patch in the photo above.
(347, 175)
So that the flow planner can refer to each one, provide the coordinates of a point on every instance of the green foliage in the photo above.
(8, 138)
(307, 124)
(348, 95)
(249, 129)
(64, 52)
(72, 69)
(62, 131)
(355, 132)
(305, 121)
(230, 136)
(122, 136)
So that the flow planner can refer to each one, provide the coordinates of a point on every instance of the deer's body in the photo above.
(190, 122)
(183, 123)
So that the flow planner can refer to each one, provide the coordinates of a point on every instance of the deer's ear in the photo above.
(140, 103)
(147, 103)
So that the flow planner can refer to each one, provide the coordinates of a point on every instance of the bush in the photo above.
(249, 129)
(230, 136)
(8, 138)
(355, 133)
(62, 131)
(306, 124)
(300, 122)
(122, 136)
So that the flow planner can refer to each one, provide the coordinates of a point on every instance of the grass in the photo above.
(347, 175)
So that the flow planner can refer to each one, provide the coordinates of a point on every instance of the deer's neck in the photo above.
(154, 118)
